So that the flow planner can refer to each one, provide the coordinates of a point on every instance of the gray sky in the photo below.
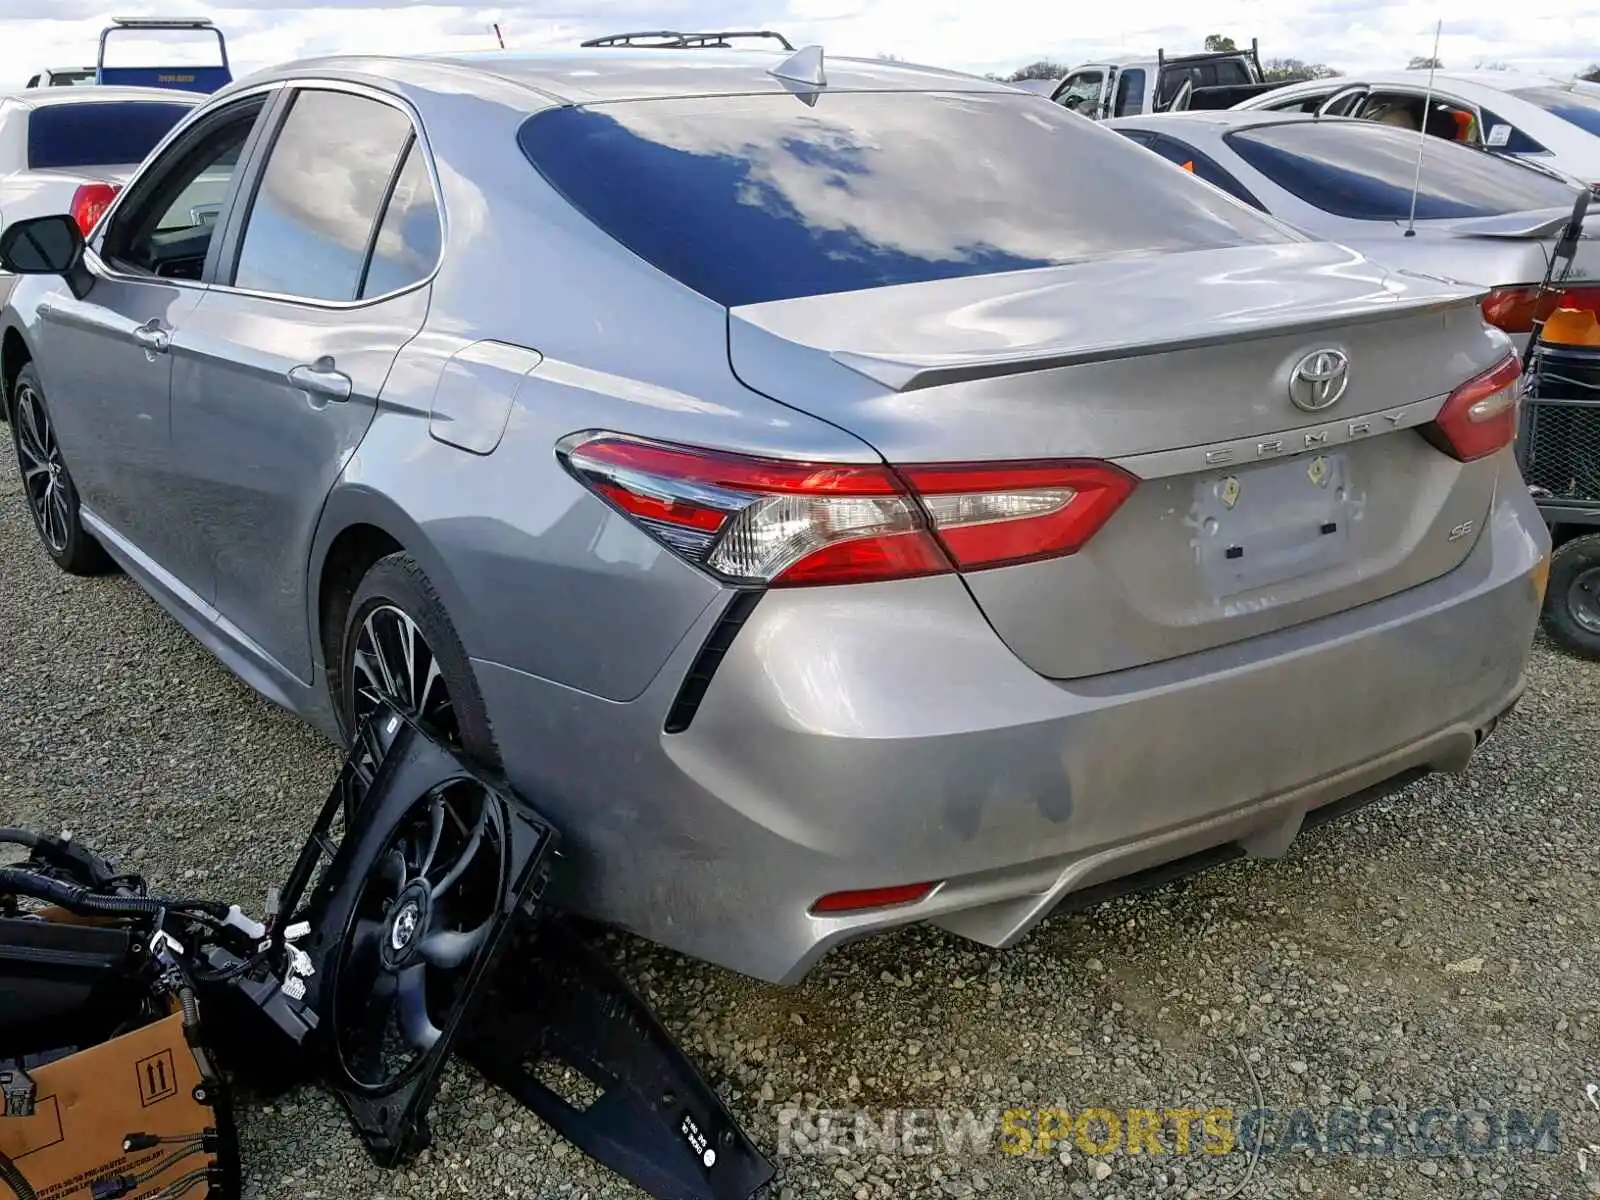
(992, 35)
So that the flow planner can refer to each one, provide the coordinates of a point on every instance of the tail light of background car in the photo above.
(772, 521)
(89, 204)
(1515, 309)
(1480, 417)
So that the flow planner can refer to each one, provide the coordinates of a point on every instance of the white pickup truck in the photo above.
(63, 149)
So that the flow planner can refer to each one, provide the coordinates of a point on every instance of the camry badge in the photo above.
(1318, 380)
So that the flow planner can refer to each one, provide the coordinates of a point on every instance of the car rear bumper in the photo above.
(883, 734)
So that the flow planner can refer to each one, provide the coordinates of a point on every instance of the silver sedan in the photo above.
(813, 483)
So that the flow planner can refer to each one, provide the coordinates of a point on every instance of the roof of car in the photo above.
(1222, 118)
(591, 75)
(1500, 81)
(49, 97)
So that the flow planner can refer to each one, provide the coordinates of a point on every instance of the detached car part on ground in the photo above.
(126, 1018)
(834, 527)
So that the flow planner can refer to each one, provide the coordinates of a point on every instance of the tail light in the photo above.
(885, 897)
(1515, 309)
(89, 204)
(771, 521)
(1480, 416)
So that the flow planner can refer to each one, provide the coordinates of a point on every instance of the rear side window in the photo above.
(66, 136)
(1200, 165)
(317, 205)
(748, 199)
(1363, 170)
(408, 241)
(1575, 108)
(1511, 141)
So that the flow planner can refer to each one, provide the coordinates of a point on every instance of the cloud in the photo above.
(995, 36)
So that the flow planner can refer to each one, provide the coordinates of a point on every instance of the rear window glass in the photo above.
(94, 134)
(1572, 107)
(747, 199)
(1365, 171)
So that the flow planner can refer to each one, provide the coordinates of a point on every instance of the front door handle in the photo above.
(321, 379)
(153, 338)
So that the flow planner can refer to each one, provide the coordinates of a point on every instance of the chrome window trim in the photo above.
(320, 84)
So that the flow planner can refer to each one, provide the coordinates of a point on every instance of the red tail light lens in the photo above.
(89, 204)
(887, 897)
(1480, 416)
(782, 523)
(1515, 309)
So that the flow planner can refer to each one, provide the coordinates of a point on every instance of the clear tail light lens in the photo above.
(754, 520)
(1480, 417)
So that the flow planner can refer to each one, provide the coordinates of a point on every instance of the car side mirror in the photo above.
(50, 245)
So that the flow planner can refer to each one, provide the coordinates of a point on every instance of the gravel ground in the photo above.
(1438, 950)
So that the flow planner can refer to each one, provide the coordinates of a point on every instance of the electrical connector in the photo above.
(113, 1187)
(16, 1093)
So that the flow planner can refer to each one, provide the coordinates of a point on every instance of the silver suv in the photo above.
(819, 485)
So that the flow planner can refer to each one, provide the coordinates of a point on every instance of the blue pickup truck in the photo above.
(187, 77)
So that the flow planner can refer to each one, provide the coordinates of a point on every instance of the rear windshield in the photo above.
(96, 134)
(1363, 170)
(747, 199)
(1572, 107)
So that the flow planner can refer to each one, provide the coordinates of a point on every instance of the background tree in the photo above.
(1219, 42)
(1592, 74)
(1423, 63)
(1043, 69)
(1292, 70)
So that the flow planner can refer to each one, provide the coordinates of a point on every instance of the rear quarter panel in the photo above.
(537, 573)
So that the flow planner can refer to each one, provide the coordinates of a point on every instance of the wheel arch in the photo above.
(14, 355)
(358, 527)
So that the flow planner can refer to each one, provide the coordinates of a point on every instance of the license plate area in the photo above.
(1261, 527)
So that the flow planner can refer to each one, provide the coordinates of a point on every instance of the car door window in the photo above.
(1130, 92)
(1196, 163)
(407, 246)
(331, 167)
(1081, 92)
(164, 227)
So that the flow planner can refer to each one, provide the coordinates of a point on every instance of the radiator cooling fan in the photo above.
(409, 914)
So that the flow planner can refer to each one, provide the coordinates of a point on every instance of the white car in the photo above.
(1541, 119)
(67, 149)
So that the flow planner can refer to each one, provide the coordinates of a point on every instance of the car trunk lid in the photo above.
(1252, 514)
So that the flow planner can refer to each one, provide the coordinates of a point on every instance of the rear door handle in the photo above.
(153, 338)
(321, 379)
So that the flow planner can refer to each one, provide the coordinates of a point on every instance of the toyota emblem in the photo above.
(1319, 379)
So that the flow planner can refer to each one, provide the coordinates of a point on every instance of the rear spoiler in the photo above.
(182, 78)
(1538, 223)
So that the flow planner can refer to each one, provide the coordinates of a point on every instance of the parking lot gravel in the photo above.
(1434, 952)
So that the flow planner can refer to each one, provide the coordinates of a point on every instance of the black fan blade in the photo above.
(393, 872)
(365, 941)
(415, 1024)
(468, 852)
(448, 949)
(435, 832)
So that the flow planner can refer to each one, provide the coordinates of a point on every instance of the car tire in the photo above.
(1572, 599)
(395, 601)
(47, 486)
